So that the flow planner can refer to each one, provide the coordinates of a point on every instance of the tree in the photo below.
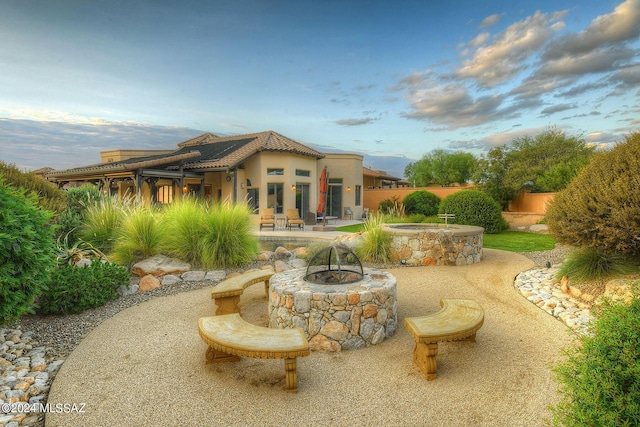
(547, 162)
(441, 167)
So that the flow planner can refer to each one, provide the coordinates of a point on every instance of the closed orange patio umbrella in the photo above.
(324, 188)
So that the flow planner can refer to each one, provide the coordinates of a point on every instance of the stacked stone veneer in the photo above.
(417, 244)
(335, 317)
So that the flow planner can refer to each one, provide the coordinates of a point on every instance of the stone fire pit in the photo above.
(335, 316)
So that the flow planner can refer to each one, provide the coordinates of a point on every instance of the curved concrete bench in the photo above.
(227, 293)
(459, 319)
(229, 337)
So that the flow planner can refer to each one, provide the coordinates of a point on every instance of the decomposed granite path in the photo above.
(145, 365)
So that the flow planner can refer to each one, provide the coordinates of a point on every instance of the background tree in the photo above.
(441, 167)
(547, 162)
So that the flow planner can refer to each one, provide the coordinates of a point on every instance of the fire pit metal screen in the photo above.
(335, 264)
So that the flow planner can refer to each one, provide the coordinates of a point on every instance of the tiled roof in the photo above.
(378, 174)
(233, 150)
(213, 152)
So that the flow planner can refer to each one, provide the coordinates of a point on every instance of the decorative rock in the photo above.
(540, 287)
(159, 265)
(170, 279)
(215, 275)
(193, 276)
(148, 283)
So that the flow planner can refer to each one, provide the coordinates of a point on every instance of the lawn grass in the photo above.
(353, 228)
(518, 241)
(513, 241)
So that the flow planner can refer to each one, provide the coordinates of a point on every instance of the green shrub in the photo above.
(78, 200)
(49, 197)
(139, 236)
(228, 239)
(600, 208)
(26, 251)
(421, 202)
(185, 222)
(416, 218)
(390, 206)
(473, 207)
(376, 245)
(600, 379)
(102, 220)
(588, 264)
(75, 289)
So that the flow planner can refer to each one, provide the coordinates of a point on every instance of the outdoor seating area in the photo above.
(161, 339)
(267, 218)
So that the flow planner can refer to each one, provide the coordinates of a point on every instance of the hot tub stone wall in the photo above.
(335, 317)
(437, 246)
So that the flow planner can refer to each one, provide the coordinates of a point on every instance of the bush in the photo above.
(49, 197)
(102, 220)
(26, 251)
(75, 289)
(139, 236)
(421, 202)
(376, 244)
(473, 207)
(78, 200)
(587, 264)
(600, 208)
(600, 380)
(390, 206)
(228, 239)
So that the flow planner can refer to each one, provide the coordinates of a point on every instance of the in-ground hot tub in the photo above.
(342, 308)
(435, 244)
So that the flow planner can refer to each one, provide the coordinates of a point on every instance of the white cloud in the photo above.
(495, 63)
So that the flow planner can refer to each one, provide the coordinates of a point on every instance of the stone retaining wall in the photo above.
(422, 245)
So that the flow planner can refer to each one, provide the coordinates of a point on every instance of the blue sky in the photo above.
(391, 80)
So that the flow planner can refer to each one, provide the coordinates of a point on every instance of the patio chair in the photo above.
(348, 213)
(267, 218)
(293, 218)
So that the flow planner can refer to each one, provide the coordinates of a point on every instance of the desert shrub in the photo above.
(421, 202)
(376, 243)
(102, 220)
(473, 207)
(390, 206)
(26, 251)
(75, 289)
(588, 264)
(600, 208)
(139, 236)
(71, 218)
(49, 197)
(417, 217)
(228, 239)
(185, 222)
(600, 379)
(71, 254)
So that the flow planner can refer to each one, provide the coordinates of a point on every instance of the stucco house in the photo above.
(266, 169)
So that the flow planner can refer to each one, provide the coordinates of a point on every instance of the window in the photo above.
(300, 172)
(275, 197)
(271, 171)
(253, 199)
(164, 194)
(358, 194)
